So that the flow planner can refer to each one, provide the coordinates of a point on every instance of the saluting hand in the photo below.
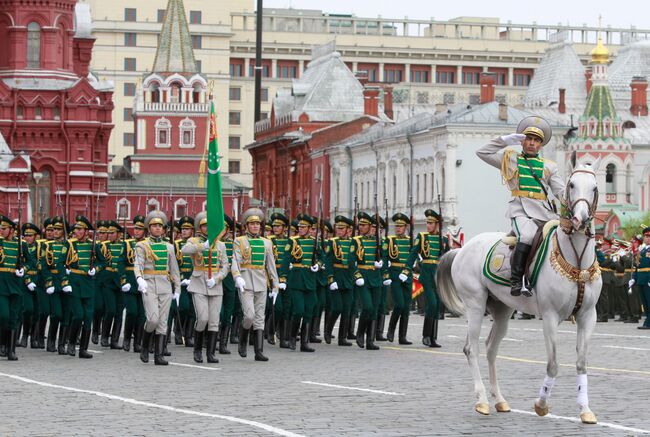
(513, 139)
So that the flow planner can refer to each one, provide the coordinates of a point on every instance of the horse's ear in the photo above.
(595, 165)
(573, 159)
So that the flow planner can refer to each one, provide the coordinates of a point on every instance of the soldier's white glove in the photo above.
(177, 298)
(403, 277)
(240, 283)
(49, 290)
(67, 289)
(290, 266)
(387, 282)
(334, 286)
(31, 286)
(322, 266)
(20, 272)
(314, 268)
(379, 264)
(273, 295)
(360, 282)
(513, 139)
(206, 245)
(211, 282)
(67, 271)
(185, 282)
(142, 285)
(92, 272)
(126, 287)
(614, 258)
(631, 283)
(282, 286)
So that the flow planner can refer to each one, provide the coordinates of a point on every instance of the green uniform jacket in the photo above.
(298, 254)
(397, 250)
(339, 263)
(9, 282)
(79, 264)
(54, 263)
(228, 282)
(642, 271)
(362, 261)
(426, 251)
(185, 263)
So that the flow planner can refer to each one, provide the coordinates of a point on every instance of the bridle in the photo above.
(570, 204)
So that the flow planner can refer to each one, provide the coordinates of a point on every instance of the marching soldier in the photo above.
(186, 309)
(641, 276)
(229, 292)
(381, 311)
(113, 298)
(101, 227)
(210, 268)
(156, 271)
(322, 282)
(135, 317)
(602, 306)
(529, 178)
(42, 296)
(427, 249)
(370, 276)
(279, 225)
(396, 253)
(341, 282)
(30, 233)
(253, 267)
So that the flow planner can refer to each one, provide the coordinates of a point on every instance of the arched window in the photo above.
(152, 205)
(163, 133)
(155, 93)
(196, 93)
(187, 128)
(610, 179)
(33, 45)
(180, 208)
(123, 209)
(176, 93)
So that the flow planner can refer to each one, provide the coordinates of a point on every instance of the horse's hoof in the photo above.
(483, 408)
(588, 417)
(541, 411)
(502, 407)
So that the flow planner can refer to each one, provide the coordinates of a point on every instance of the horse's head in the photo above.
(581, 197)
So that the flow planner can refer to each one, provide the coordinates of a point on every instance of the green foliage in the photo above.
(635, 226)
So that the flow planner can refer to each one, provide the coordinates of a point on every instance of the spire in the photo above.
(600, 54)
(175, 53)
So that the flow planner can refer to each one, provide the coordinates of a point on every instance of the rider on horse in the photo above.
(529, 178)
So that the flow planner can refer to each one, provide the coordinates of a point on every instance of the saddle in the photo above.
(497, 265)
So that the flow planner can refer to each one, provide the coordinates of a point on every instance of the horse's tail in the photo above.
(446, 287)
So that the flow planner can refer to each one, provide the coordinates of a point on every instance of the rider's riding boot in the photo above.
(519, 258)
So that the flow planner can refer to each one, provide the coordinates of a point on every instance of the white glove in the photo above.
(322, 266)
(31, 286)
(126, 287)
(274, 296)
(290, 266)
(142, 285)
(67, 289)
(67, 271)
(360, 282)
(185, 282)
(211, 282)
(513, 139)
(387, 282)
(379, 264)
(334, 286)
(631, 283)
(20, 272)
(614, 258)
(206, 245)
(92, 272)
(49, 290)
(314, 268)
(282, 286)
(240, 283)
(621, 252)
(403, 277)
(177, 298)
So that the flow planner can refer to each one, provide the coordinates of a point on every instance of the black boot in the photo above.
(4, 341)
(360, 333)
(33, 339)
(106, 332)
(128, 332)
(137, 338)
(343, 331)
(11, 337)
(381, 320)
(403, 327)
(158, 357)
(427, 330)
(212, 347)
(178, 334)
(115, 333)
(313, 332)
(434, 334)
(223, 339)
(27, 329)
(235, 330)
(392, 324)
(198, 347)
(370, 336)
(295, 327)
(83, 344)
(518, 265)
(259, 346)
(353, 319)
(72, 341)
(251, 337)
(329, 326)
(42, 326)
(63, 338)
(97, 328)
(304, 337)
(243, 341)
(285, 333)
(165, 351)
(144, 351)
(269, 330)
(189, 333)
(51, 336)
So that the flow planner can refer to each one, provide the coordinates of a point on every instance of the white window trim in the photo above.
(163, 124)
(187, 124)
(153, 201)
(119, 203)
(179, 202)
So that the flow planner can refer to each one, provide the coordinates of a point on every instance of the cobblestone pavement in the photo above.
(396, 391)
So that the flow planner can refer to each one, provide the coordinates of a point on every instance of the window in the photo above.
(195, 17)
(419, 76)
(474, 99)
(264, 115)
(180, 208)
(522, 79)
(234, 118)
(128, 139)
(187, 128)
(123, 209)
(393, 74)
(33, 45)
(264, 94)
(266, 69)
(20, 112)
(236, 69)
(445, 77)
(233, 166)
(130, 39)
(155, 93)
(448, 98)
(199, 65)
(196, 41)
(610, 179)
(235, 93)
(56, 113)
(152, 205)
(128, 114)
(234, 143)
(286, 71)
(163, 133)
(471, 77)
(129, 89)
(129, 64)
(130, 14)
(161, 15)
(38, 113)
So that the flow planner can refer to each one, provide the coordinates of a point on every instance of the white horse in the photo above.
(464, 289)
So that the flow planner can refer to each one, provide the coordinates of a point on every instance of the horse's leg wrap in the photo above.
(547, 386)
(583, 397)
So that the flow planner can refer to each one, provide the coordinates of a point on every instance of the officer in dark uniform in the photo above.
(135, 316)
(229, 293)
(641, 277)
(30, 234)
(341, 282)
(282, 314)
(185, 305)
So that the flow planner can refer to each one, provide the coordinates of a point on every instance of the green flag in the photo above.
(216, 222)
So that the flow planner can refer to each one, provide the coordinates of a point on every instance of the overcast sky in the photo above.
(620, 13)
